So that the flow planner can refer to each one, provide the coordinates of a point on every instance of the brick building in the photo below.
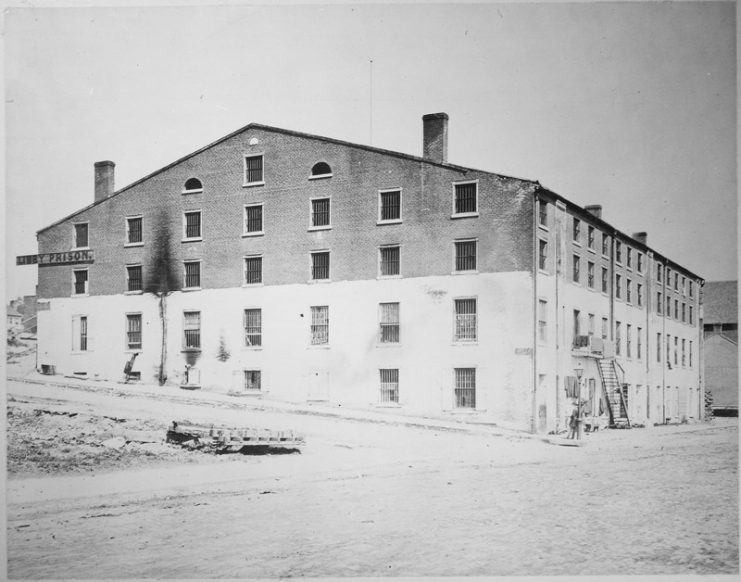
(720, 320)
(297, 267)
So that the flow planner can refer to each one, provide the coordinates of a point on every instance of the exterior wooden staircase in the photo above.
(612, 387)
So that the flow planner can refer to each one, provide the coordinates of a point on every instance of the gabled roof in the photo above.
(720, 300)
(290, 132)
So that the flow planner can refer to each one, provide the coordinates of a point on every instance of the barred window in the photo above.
(253, 170)
(192, 329)
(253, 218)
(465, 387)
(390, 205)
(465, 255)
(542, 254)
(253, 327)
(390, 385)
(320, 325)
(192, 274)
(320, 212)
(320, 266)
(192, 224)
(80, 286)
(134, 230)
(604, 280)
(390, 326)
(542, 320)
(134, 331)
(134, 278)
(252, 380)
(390, 261)
(465, 198)
(466, 323)
(83, 333)
(81, 236)
(590, 274)
(252, 270)
(576, 269)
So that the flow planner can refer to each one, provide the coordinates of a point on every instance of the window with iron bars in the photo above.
(320, 212)
(192, 329)
(320, 266)
(83, 333)
(542, 320)
(134, 278)
(389, 385)
(253, 219)
(389, 332)
(192, 224)
(253, 327)
(134, 230)
(465, 198)
(576, 269)
(465, 255)
(465, 387)
(80, 282)
(192, 274)
(253, 169)
(252, 380)
(466, 324)
(81, 236)
(543, 213)
(542, 254)
(390, 265)
(320, 325)
(252, 270)
(390, 205)
(133, 331)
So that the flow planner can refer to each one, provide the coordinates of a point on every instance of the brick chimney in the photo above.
(641, 237)
(103, 179)
(435, 137)
(594, 210)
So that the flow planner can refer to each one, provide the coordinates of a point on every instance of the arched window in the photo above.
(193, 184)
(321, 169)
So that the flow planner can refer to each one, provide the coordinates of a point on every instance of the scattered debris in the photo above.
(115, 443)
(224, 439)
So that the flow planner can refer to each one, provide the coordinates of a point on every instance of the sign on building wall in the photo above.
(52, 259)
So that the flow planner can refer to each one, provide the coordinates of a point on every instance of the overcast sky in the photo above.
(627, 105)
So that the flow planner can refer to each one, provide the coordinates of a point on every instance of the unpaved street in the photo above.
(377, 499)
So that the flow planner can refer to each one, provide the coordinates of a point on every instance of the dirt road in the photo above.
(376, 500)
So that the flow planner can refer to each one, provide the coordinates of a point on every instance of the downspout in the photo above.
(701, 348)
(534, 271)
(663, 339)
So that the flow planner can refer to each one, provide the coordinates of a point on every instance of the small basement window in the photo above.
(192, 185)
(321, 170)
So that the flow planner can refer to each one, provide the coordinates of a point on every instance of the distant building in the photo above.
(14, 319)
(303, 268)
(720, 325)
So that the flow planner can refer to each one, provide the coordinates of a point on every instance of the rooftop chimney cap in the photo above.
(104, 163)
(431, 116)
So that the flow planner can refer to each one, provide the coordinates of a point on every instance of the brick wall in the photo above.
(503, 229)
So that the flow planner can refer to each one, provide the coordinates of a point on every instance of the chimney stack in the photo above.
(435, 137)
(641, 237)
(103, 179)
(594, 210)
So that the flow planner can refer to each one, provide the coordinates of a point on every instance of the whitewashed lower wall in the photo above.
(346, 372)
